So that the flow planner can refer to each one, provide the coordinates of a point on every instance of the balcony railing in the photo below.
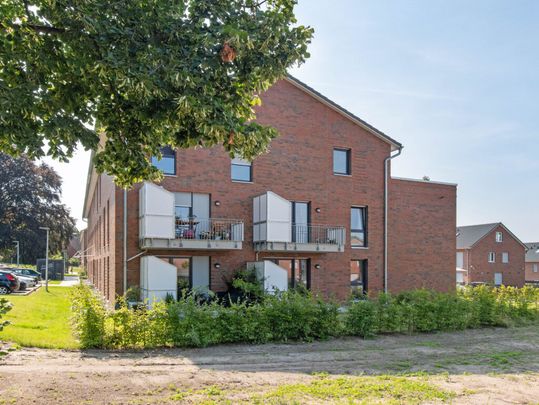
(318, 234)
(209, 229)
(306, 238)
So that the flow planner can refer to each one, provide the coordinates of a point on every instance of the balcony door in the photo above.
(299, 271)
(300, 222)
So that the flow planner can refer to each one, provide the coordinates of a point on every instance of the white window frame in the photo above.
(244, 163)
(499, 237)
(505, 257)
(501, 277)
(492, 257)
(535, 267)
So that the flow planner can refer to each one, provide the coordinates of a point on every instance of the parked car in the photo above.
(31, 280)
(8, 282)
(28, 281)
(27, 273)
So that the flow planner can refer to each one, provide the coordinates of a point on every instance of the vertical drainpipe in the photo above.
(125, 242)
(386, 210)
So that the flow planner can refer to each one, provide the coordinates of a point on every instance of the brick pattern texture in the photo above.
(480, 270)
(299, 167)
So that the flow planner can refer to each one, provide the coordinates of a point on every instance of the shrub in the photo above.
(362, 319)
(5, 307)
(88, 317)
(292, 315)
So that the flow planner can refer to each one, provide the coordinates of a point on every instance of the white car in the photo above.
(29, 281)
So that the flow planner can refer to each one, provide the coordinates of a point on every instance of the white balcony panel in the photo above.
(275, 278)
(272, 218)
(157, 279)
(156, 212)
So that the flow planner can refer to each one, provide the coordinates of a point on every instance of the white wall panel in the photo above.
(157, 279)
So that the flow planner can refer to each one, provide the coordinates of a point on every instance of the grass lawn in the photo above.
(41, 320)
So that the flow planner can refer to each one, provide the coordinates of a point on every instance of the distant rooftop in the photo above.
(467, 236)
(532, 254)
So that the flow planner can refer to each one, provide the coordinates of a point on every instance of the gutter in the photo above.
(386, 210)
(125, 243)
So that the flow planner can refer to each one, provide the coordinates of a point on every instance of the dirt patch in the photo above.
(476, 366)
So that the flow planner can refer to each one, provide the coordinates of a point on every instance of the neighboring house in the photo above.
(489, 253)
(532, 263)
(309, 212)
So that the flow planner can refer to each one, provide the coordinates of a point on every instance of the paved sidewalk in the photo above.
(69, 281)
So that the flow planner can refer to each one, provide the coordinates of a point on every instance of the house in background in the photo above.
(532, 263)
(491, 254)
(310, 212)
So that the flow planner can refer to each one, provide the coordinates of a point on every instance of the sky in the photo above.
(456, 82)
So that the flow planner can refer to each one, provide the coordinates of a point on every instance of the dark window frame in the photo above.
(166, 153)
(294, 267)
(348, 154)
(363, 265)
(250, 166)
(365, 229)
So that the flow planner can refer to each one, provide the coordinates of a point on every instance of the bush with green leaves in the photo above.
(5, 307)
(294, 316)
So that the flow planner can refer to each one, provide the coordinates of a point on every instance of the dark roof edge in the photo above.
(88, 180)
(298, 83)
(494, 225)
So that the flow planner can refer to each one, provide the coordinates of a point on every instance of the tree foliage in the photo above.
(29, 199)
(184, 73)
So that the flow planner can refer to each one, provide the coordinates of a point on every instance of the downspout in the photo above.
(125, 241)
(386, 211)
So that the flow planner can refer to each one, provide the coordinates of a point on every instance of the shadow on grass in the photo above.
(479, 351)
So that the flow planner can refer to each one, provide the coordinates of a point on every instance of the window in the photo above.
(499, 237)
(358, 227)
(341, 161)
(505, 257)
(299, 272)
(167, 164)
(498, 279)
(535, 267)
(241, 170)
(300, 222)
(460, 277)
(460, 260)
(491, 257)
(358, 276)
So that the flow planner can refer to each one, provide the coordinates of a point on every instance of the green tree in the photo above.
(30, 198)
(184, 73)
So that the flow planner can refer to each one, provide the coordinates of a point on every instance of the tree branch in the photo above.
(44, 29)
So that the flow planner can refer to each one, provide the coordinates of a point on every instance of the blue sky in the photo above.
(456, 82)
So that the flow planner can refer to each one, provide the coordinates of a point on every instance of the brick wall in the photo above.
(480, 270)
(100, 237)
(422, 242)
(298, 167)
(530, 274)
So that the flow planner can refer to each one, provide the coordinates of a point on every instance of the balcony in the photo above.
(274, 231)
(161, 228)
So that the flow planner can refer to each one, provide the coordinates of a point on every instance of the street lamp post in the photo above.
(17, 243)
(47, 229)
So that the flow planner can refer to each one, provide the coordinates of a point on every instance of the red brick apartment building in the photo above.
(491, 254)
(532, 263)
(311, 212)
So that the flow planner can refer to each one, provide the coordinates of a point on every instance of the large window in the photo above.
(491, 257)
(505, 257)
(299, 272)
(358, 276)
(167, 164)
(341, 161)
(241, 170)
(358, 227)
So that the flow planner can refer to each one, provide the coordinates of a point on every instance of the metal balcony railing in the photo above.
(209, 229)
(320, 234)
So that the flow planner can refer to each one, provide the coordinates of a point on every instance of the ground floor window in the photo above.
(183, 271)
(299, 271)
(498, 279)
(359, 276)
